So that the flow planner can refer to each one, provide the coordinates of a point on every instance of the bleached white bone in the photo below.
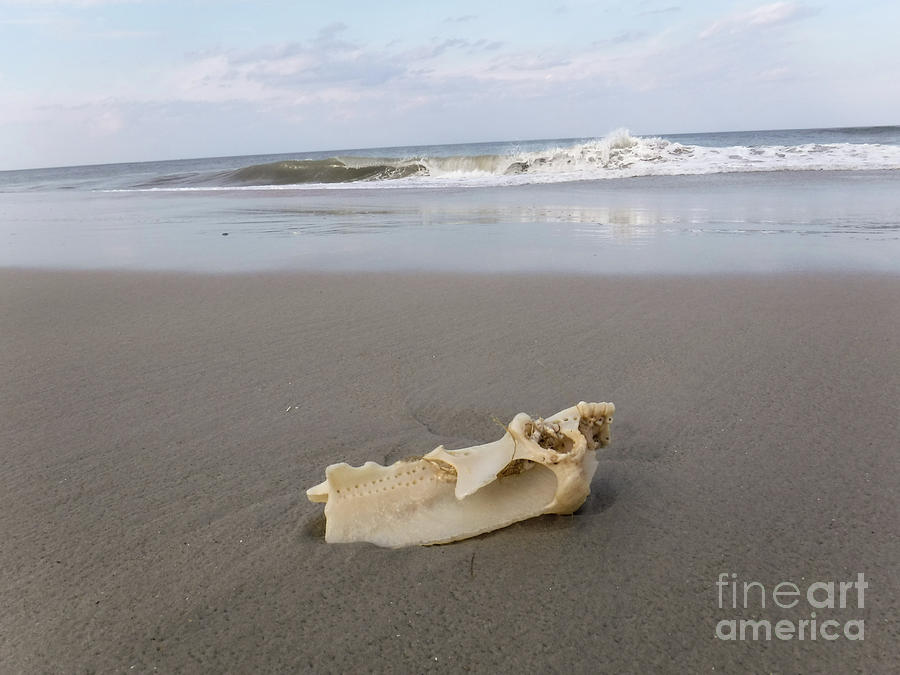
(539, 466)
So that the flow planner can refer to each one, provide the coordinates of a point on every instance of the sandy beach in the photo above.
(158, 432)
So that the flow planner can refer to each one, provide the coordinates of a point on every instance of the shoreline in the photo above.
(160, 430)
(755, 223)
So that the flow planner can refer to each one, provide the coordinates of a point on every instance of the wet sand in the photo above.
(157, 433)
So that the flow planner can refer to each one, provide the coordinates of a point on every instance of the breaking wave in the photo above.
(617, 155)
(300, 171)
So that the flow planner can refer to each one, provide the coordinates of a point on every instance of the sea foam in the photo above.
(616, 155)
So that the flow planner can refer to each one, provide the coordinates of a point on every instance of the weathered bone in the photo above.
(539, 466)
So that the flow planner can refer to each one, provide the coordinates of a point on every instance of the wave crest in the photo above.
(616, 155)
(300, 171)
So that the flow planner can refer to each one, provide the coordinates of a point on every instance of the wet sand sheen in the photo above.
(158, 432)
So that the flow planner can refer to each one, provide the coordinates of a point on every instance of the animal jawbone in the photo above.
(539, 466)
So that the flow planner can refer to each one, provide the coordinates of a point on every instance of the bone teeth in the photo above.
(450, 495)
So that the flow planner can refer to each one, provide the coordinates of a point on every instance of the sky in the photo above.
(99, 81)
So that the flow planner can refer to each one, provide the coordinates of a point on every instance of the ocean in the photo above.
(734, 202)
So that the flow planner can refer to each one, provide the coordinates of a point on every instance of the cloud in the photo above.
(465, 18)
(661, 10)
(764, 16)
(30, 21)
(328, 34)
(330, 68)
(77, 4)
(350, 78)
(108, 122)
(621, 38)
(121, 34)
(775, 74)
(60, 24)
(449, 43)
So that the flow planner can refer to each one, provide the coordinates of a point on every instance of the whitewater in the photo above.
(616, 155)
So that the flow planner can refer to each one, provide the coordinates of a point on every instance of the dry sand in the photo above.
(158, 432)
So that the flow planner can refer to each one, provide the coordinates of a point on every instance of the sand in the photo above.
(158, 432)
